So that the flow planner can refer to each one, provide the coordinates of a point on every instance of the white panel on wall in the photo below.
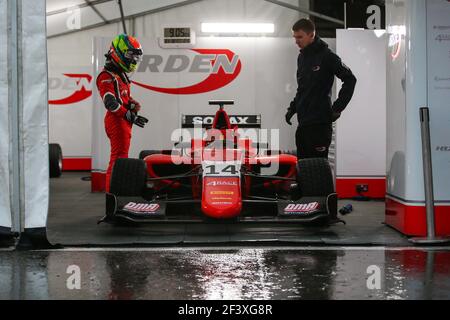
(438, 61)
(396, 99)
(361, 130)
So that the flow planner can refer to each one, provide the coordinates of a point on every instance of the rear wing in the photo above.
(206, 121)
(221, 103)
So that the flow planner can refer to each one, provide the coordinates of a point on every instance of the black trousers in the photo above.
(313, 141)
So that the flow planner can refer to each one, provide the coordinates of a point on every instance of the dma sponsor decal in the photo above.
(301, 208)
(141, 208)
(221, 67)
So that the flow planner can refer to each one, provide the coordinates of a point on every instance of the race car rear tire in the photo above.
(314, 177)
(145, 153)
(55, 160)
(128, 178)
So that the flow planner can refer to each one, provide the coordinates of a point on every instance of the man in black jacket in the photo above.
(317, 65)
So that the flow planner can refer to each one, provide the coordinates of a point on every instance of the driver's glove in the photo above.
(133, 118)
(289, 114)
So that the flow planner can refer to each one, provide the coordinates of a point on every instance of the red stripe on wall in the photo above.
(411, 220)
(77, 164)
(346, 188)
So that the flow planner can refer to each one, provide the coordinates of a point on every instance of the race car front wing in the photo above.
(139, 210)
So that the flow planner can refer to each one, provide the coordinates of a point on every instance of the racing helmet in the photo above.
(125, 52)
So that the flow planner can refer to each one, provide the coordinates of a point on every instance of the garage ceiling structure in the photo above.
(69, 16)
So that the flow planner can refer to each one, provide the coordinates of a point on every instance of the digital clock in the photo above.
(177, 32)
(177, 37)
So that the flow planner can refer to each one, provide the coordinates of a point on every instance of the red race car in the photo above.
(221, 176)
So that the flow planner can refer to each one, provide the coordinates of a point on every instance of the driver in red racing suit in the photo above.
(114, 87)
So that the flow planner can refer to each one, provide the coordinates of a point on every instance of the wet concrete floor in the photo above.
(227, 273)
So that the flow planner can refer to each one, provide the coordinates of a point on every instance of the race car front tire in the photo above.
(314, 177)
(128, 178)
(55, 160)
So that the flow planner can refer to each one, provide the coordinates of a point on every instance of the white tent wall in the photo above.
(34, 112)
(24, 130)
(72, 54)
(5, 204)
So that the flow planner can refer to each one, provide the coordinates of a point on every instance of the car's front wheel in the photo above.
(128, 178)
(314, 177)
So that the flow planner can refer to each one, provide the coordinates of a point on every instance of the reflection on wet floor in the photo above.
(227, 274)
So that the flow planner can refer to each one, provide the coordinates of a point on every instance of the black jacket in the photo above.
(316, 67)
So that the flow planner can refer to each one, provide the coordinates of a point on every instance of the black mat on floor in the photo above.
(74, 212)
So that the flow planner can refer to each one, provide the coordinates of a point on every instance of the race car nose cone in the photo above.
(221, 197)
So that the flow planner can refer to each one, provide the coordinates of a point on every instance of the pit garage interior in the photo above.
(389, 155)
